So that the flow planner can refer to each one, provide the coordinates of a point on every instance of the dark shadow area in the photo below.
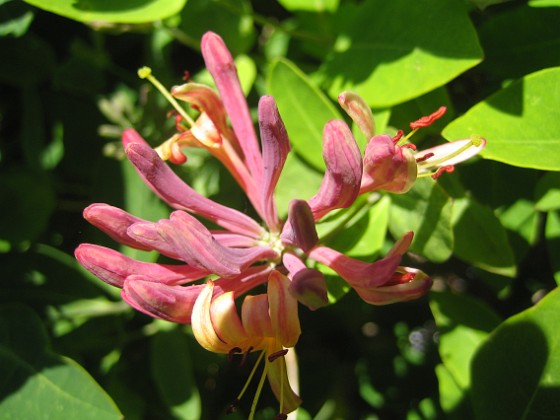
(507, 375)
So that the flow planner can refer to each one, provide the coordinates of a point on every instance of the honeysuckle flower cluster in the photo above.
(221, 264)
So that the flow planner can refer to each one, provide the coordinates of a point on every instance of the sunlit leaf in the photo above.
(463, 323)
(388, 61)
(123, 11)
(520, 122)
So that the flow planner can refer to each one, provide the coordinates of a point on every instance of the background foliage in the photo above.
(484, 344)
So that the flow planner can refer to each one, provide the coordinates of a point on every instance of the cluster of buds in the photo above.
(242, 253)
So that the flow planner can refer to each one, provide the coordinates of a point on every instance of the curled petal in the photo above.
(201, 320)
(164, 182)
(206, 100)
(275, 149)
(205, 131)
(283, 310)
(255, 316)
(196, 246)
(114, 222)
(226, 322)
(360, 112)
(172, 303)
(299, 229)
(341, 183)
(222, 68)
(407, 284)
(387, 167)
(114, 268)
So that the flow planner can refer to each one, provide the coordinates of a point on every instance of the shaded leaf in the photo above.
(173, 372)
(389, 63)
(426, 210)
(231, 19)
(552, 234)
(28, 202)
(516, 372)
(480, 238)
(532, 46)
(39, 384)
(547, 192)
(520, 122)
(364, 233)
(15, 18)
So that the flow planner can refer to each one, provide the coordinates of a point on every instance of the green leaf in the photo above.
(426, 210)
(304, 109)
(544, 3)
(173, 372)
(451, 397)
(38, 384)
(122, 11)
(363, 235)
(552, 234)
(547, 192)
(463, 323)
(298, 180)
(512, 54)
(520, 122)
(516, 372)
(389, 61)
(28, 202)
(316, 6)
(480, 238)
(15, 18)
(231, 19)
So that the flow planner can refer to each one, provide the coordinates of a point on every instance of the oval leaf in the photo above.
(521, 122)
(122, 11)
(516, 372)
(36, 381)
(389, 62)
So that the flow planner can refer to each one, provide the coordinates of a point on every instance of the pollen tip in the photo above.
(476, 140)
(144, 72)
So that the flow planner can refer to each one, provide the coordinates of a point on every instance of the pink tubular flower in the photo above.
(393, 164)
(241, 253)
